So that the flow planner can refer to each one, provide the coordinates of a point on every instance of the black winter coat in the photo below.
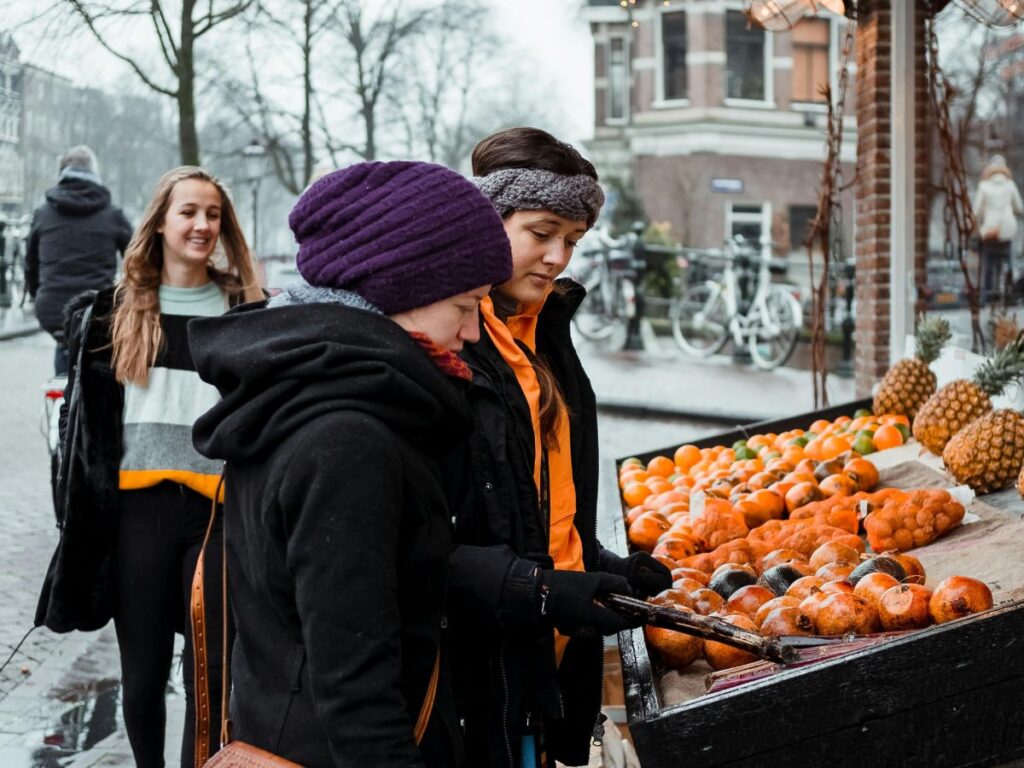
(332, 421)
(72, 247)
(78, 591)
(504, 657)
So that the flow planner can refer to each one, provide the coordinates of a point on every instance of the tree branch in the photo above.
(80, 9)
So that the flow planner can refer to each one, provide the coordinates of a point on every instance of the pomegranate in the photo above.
(780, 556)
(686, 584)
(721, 656)
(771, 605)
(844, 613)
(873, 585)
(913, 567)
(830, 552)
(673, 597)
(748, 599)
(801, 588)
(691, 573)
(707, 601)
(959, 596)
(812, 603)
(832, 587)
(837, 570)
(904, 606)
(675, 649)
(788, 620)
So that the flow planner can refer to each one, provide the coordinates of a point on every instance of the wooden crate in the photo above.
(950, 695)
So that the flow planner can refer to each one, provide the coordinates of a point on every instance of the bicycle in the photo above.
(609, 272)
(709, 313)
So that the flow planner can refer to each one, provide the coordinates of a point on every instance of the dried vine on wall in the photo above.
(958, 213)
(826, 231)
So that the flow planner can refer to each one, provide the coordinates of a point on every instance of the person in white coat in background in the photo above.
(997, 204)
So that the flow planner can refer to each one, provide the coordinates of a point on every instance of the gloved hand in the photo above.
(567, 601)
(645, 575)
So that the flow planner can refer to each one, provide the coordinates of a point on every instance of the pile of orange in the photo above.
(764, 477)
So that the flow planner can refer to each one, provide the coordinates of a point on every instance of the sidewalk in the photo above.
(662, 380)
(17, 321)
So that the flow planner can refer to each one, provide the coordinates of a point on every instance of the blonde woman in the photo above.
(134, 495)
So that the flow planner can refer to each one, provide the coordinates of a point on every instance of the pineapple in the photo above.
(910, 381)
(1020, 482)
(960, 402)
(1003, 328)
(988, 453)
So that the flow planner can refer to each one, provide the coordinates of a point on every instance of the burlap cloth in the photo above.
(990, 549)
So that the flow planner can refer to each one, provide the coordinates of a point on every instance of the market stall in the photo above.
(950, 694)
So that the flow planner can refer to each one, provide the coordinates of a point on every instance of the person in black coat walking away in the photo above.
(338, 400)
(134, 496)
(525, 626)
(72, 244)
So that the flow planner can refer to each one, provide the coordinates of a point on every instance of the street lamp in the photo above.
(255, 158)
(780, 15)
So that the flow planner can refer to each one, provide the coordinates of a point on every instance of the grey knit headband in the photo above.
(578, 198)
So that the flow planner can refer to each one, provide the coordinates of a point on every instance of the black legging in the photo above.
(159, 537)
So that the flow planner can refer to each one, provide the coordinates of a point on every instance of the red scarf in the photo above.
(449, 362)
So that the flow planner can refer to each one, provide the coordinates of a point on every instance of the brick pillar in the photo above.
(873, 189)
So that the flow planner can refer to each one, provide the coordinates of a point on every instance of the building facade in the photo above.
(11, 178)
(717, 125)
(45, 129)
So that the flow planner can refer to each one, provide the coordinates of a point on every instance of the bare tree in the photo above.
(374, 44)
(176, 40)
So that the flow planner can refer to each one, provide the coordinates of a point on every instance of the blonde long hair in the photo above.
(136, 336)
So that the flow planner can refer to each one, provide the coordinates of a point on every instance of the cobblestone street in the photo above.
(59, 694)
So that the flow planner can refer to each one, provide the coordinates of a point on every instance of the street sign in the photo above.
(729, 186)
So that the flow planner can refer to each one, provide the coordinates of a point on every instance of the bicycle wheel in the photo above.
(595, 319)
(700, 320)
(776, 329)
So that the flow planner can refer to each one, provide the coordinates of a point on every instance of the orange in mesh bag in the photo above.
(912, 520)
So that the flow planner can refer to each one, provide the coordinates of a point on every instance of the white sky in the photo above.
(549, 37)
(555, 33)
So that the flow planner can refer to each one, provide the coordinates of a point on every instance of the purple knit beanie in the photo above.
(401, 234)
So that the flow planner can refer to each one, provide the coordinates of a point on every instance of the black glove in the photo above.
(645, 575)
(567, 601)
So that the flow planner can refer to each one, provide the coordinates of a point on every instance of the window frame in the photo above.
(608, 118)
(836, 33)
(764, 219)
(768, 102)
(659, 60)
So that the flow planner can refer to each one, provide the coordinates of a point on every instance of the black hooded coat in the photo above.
(72, 247)
(332, 422)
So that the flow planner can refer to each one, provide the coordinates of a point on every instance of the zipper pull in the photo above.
(598, 735)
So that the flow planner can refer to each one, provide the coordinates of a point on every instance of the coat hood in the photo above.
(78, 197)
(278, 369)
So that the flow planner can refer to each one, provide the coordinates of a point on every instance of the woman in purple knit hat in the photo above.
(339, 398)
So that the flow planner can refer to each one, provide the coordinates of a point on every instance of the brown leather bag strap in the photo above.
(200, 666)
(428, 701)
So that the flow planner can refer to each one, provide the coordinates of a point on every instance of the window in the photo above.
(810, 59)
(751, 222)
(673, 54)
(800, 218)
(618, 79)
(746, 58)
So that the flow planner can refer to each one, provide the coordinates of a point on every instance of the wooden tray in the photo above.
(950, 695)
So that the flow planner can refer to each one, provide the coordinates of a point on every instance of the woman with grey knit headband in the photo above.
(525, 630)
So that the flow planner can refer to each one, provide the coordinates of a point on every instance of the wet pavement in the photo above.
(59, 701)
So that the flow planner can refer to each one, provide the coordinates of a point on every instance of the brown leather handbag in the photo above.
(238, 754)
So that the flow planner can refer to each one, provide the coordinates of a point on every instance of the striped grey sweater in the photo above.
(158, 418)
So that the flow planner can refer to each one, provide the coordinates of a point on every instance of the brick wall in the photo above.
(873, 188)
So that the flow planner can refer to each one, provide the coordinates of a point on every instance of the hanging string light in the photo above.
(994, 13)
(780, 15)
